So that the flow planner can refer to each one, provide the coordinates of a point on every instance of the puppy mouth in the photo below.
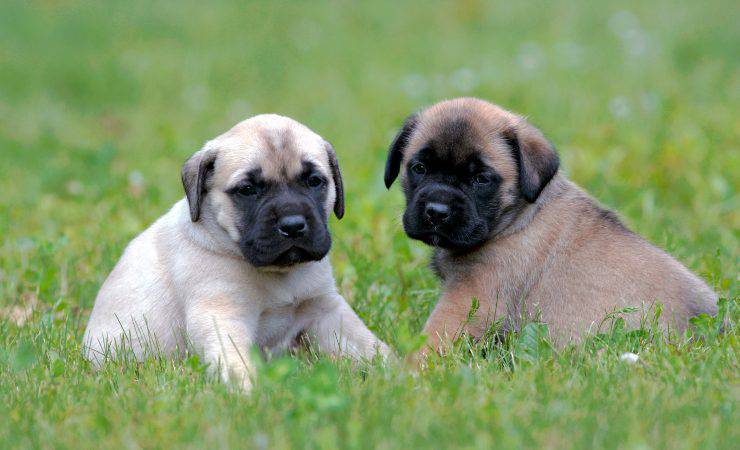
(433, 238)
(286, 256)
(448, 242)
(457, 239)
(296, 255)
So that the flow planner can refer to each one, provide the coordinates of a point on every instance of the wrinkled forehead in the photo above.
(455, 139)
(279, 148)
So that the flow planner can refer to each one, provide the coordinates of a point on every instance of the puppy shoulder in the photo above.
(591, 218)
(141, 251)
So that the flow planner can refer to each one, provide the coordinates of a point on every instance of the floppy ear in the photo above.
(194, 174)
(395, 152)
(536, 157)
(338, 183)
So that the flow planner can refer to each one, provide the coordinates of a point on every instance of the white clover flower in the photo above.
(136, 183)
(74, 187)
(464, 79)
(619, 107)
(629, 358)
(625, 25)
(530, 57)
(414, 85)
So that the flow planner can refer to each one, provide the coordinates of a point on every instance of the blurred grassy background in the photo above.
(101, 102)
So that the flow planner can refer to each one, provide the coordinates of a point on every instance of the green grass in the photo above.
(100, 103)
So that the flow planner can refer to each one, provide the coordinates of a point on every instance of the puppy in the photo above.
(240, 262)
(482, 187)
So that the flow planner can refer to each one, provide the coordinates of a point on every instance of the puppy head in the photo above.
(466, 166)
(271, 184)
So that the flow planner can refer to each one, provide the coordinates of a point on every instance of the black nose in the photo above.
(292, 226)
(436, 213)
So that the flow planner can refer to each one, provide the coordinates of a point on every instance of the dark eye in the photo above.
(482, 178)
(419, 168)
(315, 181)
(247, 190)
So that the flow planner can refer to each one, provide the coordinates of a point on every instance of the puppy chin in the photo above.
(457, 240)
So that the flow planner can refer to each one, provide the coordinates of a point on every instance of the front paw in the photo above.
(241, 384)
(244, 385)
(385, 352)
(238, 379)
(418, 360)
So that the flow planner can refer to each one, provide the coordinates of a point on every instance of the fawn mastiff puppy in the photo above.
(482, 187)
(240, 261)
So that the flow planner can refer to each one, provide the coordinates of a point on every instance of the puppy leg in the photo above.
(453, 316)
(224, 338)
(445, 324)
(338, 331)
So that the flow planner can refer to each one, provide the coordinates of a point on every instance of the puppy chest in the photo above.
(278, 327)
